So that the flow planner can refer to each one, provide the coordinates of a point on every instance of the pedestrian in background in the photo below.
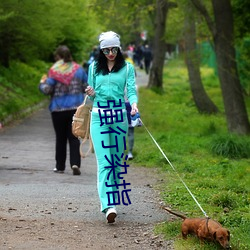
(138, 55)
(108, 78)
(65, 83)
(147, 54)
(131, 129)
(92, 57)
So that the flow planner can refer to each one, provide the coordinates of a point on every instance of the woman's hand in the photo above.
(90, 91)
(134, 109)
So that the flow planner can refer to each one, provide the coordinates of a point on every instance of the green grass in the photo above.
(19, 88)
(214, 164)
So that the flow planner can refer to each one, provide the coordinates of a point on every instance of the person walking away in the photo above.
(66, 83)
(130, 132)
(147, 54)
(131, 129)
(108, 77)
(139, 56)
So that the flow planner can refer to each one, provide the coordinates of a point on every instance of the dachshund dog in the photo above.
(204, 229)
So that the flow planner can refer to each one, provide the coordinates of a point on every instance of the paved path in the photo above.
(29, 189)
(26, 163)
(141, 78)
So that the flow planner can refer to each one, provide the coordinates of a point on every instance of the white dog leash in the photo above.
(174, 170)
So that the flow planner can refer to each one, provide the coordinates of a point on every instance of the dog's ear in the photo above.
(214, 235)
(228, 237)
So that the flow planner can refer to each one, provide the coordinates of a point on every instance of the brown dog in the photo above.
(204, 229)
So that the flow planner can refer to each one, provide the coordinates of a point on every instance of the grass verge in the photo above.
(19, 89)
(214, 164)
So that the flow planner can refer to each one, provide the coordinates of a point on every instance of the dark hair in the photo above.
(102, 67)
(64, 53)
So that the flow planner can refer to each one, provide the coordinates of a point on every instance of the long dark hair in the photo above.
(101, 63)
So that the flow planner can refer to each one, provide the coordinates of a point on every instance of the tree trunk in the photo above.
(235, 109)
(201, 99)
(223, 38)
(159, 47)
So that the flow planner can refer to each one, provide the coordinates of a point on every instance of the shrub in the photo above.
(223, 200)
(231, 146)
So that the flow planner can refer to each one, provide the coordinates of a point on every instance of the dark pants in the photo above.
(130, 129)
(147, 65)
(62, 122)
(131, 139)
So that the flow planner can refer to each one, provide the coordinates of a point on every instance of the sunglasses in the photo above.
(106, 51)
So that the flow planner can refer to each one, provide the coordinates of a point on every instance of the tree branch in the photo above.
(202, 9)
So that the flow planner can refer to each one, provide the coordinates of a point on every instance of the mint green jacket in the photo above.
(113, 85)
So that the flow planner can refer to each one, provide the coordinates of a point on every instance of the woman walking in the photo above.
(108, 78)
(65, 84)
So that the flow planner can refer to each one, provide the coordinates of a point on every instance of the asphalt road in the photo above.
(30, 190)
(26, 164)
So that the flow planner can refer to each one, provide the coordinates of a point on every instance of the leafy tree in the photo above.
(201, 99)
(221, 28)
(175, 24)
(23, 33)
(126, 17)
(242, 33)
(156, 72)
(241, 18)
(28, 33)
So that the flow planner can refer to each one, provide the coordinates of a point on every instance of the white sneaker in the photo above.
(111, 214)
(130, 156)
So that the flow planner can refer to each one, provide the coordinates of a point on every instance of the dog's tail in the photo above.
(175, 213)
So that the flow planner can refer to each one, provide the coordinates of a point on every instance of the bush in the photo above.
(231, 146)
(19, 88)
(223, 200)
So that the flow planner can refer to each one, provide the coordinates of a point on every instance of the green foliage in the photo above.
(224, 200)
(19, 87)
(243, 59)
(128, 18)
(175, 28)
(170, 230)
(219, 183)
(175, 25)
(241, 17)
(231, 146)
(29, 33)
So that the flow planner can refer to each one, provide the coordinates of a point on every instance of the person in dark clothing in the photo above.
(147, 54)
(139, 56)
(65, 83)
